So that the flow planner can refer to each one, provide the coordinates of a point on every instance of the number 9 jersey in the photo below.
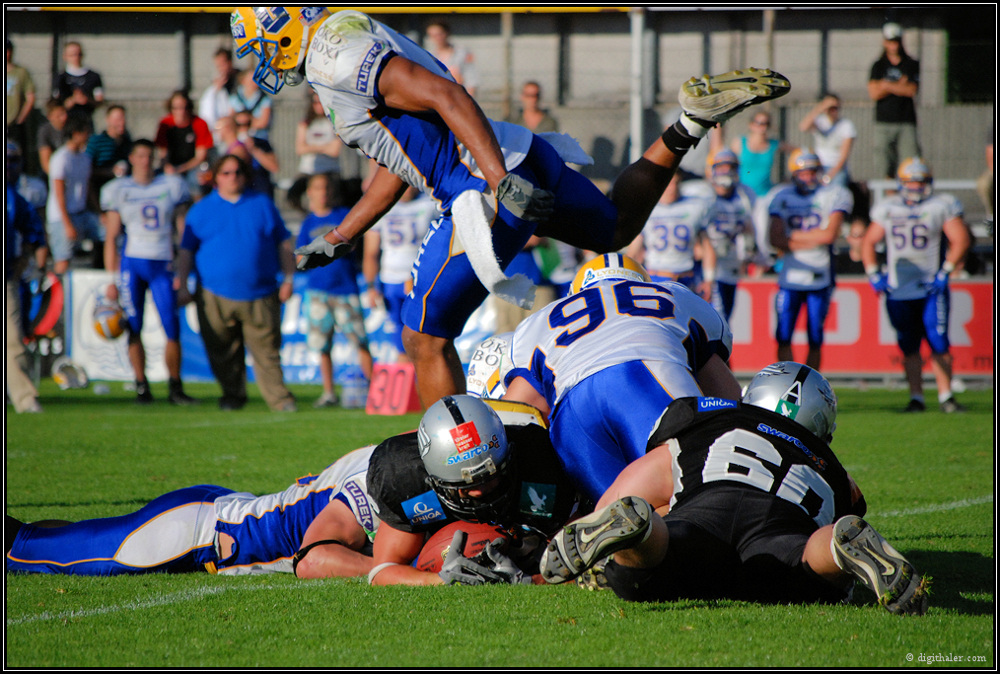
(147, 213)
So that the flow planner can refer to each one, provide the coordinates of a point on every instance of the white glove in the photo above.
(319, 252)
(457, 569)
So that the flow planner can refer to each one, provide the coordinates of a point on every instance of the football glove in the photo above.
(457, 569)
(319, 252)
(939, 284)
(879, 282)
(524, 200)
(503, 565)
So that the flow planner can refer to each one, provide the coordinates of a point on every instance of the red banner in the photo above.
(859, 337)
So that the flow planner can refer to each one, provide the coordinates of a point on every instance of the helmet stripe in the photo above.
(452, 406)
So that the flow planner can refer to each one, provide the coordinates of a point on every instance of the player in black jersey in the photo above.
(760, 509)
(474, 460)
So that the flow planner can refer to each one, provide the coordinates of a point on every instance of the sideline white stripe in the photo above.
(175, 598)
(941, 507)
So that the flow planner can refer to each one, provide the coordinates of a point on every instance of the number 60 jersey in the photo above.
(714, 441)
(663, 325)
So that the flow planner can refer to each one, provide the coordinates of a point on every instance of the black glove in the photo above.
(458, 569)
(523, 199)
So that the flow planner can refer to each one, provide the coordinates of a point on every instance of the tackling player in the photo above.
(915, 223)
(605, 362)
(805, 220)
(496, 183)
(146, 210)
(760, 509)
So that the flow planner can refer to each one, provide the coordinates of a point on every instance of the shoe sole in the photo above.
(578, 546)
(716, 98)
(870, 558)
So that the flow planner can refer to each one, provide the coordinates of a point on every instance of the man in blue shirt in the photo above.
(236, 243)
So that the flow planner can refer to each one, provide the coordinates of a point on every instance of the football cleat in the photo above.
(143, 396)
(952, 406)
(915, 406)
(867, 556)
(716, 98)
(580, 545)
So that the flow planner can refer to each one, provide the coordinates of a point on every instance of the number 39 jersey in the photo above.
(614, 322)
(913, 240)
(714, 440)
(147, 213)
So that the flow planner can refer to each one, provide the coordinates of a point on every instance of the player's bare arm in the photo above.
(330, 545)
(394, 551)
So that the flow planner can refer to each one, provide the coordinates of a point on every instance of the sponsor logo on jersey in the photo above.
(365, 71)
(818, 463)
(709, 404)
(424, 509)
(538, 500)
(362, 507)
(465, 436)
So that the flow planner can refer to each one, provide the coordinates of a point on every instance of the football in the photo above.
(109, 320)
(479, 536)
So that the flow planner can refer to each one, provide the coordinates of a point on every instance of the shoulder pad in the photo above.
(513, 413)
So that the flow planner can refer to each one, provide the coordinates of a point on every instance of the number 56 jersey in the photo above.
(663, 325)
(718, 441)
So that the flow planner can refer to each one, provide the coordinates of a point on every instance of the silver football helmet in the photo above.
(463, 446)
(798, 392)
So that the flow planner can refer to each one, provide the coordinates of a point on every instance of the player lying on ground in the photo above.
(760, 508)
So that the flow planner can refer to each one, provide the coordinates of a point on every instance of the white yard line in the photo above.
(940, 507)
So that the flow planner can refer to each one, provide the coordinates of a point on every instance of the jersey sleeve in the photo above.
(109, 195)
(346, 60)
(397, 484)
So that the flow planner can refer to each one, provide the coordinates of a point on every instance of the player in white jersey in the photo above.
(605, 362)
(666, 246)
(320, 526)
(915, 224)
(805, 221)
(391, 246)
(147, 210)
(497, 183)
(730, 228)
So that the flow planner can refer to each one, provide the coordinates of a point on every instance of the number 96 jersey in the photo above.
(718, 441)
(663, 325)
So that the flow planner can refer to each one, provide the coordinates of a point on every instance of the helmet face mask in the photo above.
(724, 170)
(609, 266)
(915, 181)
(278, 37)
(797, 392)
(463, 446)
(805, 168)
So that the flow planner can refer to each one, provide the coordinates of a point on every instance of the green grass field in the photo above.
(929, 481)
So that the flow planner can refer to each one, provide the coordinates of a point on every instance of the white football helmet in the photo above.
(463, 446)
(724, 169)
(804, 167)
(798, 392)
(279, 38)
(915, 180)
(611, 265)
(68, 375)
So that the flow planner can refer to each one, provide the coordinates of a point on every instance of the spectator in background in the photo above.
(533, 116)
(183, 141)
(214, 103)
(984, 184)
(458, 60)
(78, 87)
(34, 190)
(317, 147)
(148, 209)
(109, 150)
(236, 243)
(247, 97)
(389, 250)
(757, 153)
(51, 134)
(23, 233)
(331, 299)
(833, 139)
(260, 154)
(70, 220)
(20, 99)
(893, 85)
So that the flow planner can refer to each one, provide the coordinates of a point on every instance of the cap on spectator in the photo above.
(892, 31)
